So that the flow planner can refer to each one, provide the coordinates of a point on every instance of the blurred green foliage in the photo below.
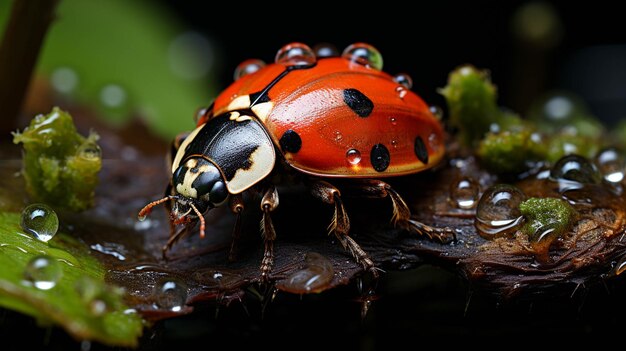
(127, 58)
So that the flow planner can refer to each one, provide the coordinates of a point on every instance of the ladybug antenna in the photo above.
(148, 208)
(201, 219)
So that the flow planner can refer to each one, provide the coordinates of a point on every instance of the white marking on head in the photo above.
(261, 164)
(234, 115)
(239, 103)
(263, 110)
(186, 188)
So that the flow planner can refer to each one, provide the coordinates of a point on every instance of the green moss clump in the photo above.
(546, 220)
(511, 151)
(60, 166)
(471, 99)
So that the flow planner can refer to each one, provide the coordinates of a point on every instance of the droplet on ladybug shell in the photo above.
(364, 54)
(353, 156)
(325, 50)
(404, 80)
(248, 67)
(295, 54)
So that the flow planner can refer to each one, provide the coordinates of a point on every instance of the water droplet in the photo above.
(217, 275)
(64, 80)
(576, 169)
(364, 54)
(394, 144)
(464, 193)
(338, 135)
(248, 67)
(434, 142)
(317, 274)
(89, 151)
(404, 80)
(393, 121)
(401, 91)
(40, 221)
(325, 50)
(611, 165)
(295, 54)
(43, 272)
(170, 294)
(353, 156)
(112, 95)
(436, 111)
(497, 213)
(200, 114)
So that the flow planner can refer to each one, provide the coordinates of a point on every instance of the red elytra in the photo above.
(335, 140)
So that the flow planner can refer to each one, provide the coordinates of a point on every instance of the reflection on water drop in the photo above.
(40, 221)
(364, 54)
(611, 165)
(401, 91)
(170, 294)
(464, 193)
(404, 80)
(113, 96)
(64, 80)
(394, 144)
(436, 111)
(317, 274)
(498, 213)
(295, 54)
(43, 272)
(576, 169)
(353, 156)
(325, 50)
(620, 267)
(393, 121)
(248, 67)
(89, 151)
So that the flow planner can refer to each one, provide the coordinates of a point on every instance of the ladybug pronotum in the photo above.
(323, 115)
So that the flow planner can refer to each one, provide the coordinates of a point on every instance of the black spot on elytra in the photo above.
(420, 150)
(380, 157)
(358, 102)
(290, 141)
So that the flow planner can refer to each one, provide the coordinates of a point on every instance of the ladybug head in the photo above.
(199, 183)
(197, 187)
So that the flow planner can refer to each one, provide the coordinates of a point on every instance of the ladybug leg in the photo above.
(269, 203)
(236, 205)
(401, 218)
(340, 224)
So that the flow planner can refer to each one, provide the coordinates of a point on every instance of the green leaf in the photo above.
(150, 62)
(80, 301)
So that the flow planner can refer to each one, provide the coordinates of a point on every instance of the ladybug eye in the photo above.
(295, 54)
(364, 54)
(404, 80)
(325, 50)
(248, 67)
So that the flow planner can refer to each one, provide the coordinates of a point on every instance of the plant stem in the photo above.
(19, 50)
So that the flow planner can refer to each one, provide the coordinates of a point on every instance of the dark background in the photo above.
(588, 59)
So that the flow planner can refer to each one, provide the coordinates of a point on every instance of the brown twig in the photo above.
(19, 50)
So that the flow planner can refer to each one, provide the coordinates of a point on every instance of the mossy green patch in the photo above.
(60, 166)
(546, 216)
(471, 99)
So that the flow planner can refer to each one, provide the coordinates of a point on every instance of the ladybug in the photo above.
(326, 116)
